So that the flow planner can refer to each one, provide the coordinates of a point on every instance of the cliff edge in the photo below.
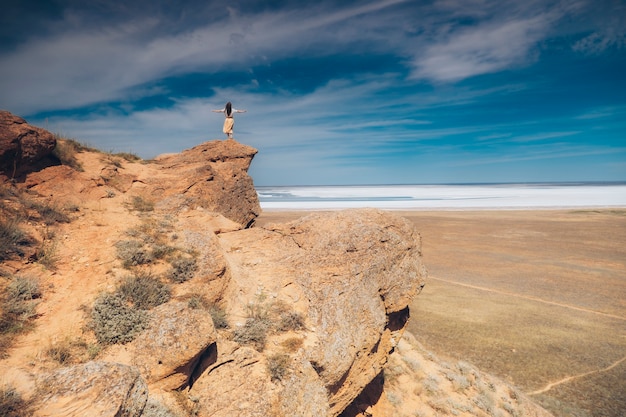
(143, 288)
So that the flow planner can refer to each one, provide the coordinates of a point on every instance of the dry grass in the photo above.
(12, 404)
(18, 303)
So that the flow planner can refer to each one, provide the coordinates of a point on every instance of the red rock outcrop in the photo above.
(22, 144)
(213, 175)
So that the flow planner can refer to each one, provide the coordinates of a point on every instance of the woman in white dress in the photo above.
(229, 121)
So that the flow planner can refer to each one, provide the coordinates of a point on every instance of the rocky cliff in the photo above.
(141, 288)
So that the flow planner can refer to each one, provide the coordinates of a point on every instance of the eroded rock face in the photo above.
(21, 144)
(173, 350)
(351, 273)
(213, 175)
(98, 389)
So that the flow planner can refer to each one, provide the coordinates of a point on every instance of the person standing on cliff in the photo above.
(229, 121)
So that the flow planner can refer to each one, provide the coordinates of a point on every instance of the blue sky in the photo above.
(350, 92)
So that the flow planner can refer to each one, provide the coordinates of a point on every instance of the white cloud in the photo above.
(485, 48)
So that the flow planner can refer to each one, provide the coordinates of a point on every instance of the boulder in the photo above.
(352, 274)
(21, 144)
(97, 389)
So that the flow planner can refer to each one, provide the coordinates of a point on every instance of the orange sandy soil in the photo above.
(535, 297)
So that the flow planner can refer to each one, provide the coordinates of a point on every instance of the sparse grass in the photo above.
(254, 332)
(69, 351)
(12, 239)
(265, 318)
(66, 150)
(128, 156)
(133, 253)
(18, 305)
(12, 404)
(47, 255)
(48, 214)
(278, 366)
(183, 269)
(290, 320)
(60, 353)
(220, 320)
(141, 204)
(292, 344)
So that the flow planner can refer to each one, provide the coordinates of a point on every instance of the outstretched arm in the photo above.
(240, 111)
(218, 111)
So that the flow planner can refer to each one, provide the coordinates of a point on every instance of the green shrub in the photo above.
(144, 291)
(277, 366)
(114, 321)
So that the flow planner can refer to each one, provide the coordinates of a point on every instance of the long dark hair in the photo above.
(229, 109)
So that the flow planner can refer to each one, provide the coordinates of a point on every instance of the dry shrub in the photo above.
(65, 151)
(12, 404)
(18, 305)
(133, 253)
(278, 366)
(144, 291)
(292, 344)
(183, 269)
(141, 204)
(220, 320)
(290, 320)
(12, 239)
(114, 321)
(254, 332)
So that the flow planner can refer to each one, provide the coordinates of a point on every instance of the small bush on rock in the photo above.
(132, 253)
(218, 315)
(113, 321)
(183, 269)
(144, 291)
(277, 366)
(254, 333)
(290, 320)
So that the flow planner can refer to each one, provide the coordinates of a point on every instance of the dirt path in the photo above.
(573, 377)
(526, 297)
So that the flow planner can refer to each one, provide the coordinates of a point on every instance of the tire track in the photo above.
(573, 377)
(528, 297)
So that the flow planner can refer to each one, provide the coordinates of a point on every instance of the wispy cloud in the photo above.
(489, 47)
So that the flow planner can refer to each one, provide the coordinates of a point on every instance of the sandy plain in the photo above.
(535, 297)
